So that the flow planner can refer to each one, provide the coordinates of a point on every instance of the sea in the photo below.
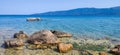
(78, 26)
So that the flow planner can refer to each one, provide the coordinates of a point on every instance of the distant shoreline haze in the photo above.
(114, 11)
(85, 11)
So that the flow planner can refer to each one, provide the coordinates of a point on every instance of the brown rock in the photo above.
(84, 53)
(117, 46)
(37, 46)
(13, 43)
(63, 48)
(115, 50)
(60, 34)
(103, 53)
(43, 37)
(20, 35)
(92, 52)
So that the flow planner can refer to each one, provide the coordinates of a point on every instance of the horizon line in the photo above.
(60, 10)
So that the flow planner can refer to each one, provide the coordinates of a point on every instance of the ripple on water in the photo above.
(95, 27)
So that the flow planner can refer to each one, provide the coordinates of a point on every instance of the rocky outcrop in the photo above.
(49, 39)
(43, 37)
(13, 43)
(20, 35)
(33, 19)
(60, 34)
(115, 50)
(63, 48)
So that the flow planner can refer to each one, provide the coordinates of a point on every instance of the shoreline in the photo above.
(103, 42)
(112, 40)
(54, 52)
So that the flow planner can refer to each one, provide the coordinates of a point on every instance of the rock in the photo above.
(92, 52)
(33, 19)
(40, 46)
(36, 46)
(115, 50)
(63, 48)
(13, 43)
(117, 46)
(60, 34)
(84, 53)
(20, 35)
(43, 37)
(103, 53)
(106, 38)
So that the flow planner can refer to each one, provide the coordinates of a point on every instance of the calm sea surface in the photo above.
(85, 26)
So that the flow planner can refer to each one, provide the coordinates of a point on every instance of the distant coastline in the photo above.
(113, 11)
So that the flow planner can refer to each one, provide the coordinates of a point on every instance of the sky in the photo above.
(40, 6)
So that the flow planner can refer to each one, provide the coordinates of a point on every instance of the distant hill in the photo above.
(85, 11)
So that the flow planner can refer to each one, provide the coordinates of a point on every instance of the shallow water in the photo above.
(85, 26)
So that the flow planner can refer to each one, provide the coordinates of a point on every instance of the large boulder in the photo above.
(63, 48)
(43, 37)
(115, 50)
(60, 34)
(20, 35)
(13, 43)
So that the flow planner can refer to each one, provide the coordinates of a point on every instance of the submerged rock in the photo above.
(60, 34)
(63, 48)
(115, 50)
(20, 35)
(43, 37)
(13, 43)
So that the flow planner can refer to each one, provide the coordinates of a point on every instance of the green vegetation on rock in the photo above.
(89, 47)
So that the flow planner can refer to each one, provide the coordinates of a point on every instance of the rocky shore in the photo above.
(54, 42)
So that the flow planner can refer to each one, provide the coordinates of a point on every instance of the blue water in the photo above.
(85, 26)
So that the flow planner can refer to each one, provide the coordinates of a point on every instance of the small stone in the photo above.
(63, 48)
(103, 53)
(92, 52)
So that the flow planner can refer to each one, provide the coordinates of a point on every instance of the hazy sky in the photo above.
(39, 6)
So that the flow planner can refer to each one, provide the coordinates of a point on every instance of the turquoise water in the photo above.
(86, 26)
